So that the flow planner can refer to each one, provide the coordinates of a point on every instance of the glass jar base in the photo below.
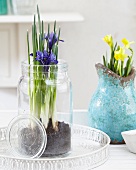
(61, 155)
(58, 142)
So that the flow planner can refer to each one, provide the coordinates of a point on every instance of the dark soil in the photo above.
(58, 142)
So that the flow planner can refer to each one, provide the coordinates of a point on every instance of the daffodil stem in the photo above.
(122, 68)
(104, 61)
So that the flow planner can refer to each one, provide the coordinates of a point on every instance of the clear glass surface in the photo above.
(26, 137)
(46, 93)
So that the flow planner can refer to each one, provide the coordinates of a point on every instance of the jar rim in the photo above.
(62, 65)
(60, 62)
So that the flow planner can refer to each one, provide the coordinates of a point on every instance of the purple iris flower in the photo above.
(39, 56)
(53, 59)
(52, 39)
(46, 58)
(45, 54)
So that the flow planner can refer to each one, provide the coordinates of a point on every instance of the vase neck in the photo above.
(108, 75)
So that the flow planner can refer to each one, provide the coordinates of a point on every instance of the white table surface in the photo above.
(120, 158)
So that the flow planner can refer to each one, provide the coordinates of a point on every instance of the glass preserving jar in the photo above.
(45, 92)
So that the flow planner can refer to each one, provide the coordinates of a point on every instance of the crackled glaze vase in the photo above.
(112, 108)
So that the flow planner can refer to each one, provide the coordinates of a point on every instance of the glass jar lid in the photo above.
(26, 136)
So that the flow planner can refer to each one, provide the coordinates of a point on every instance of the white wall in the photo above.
(8, 99)
(83, 45)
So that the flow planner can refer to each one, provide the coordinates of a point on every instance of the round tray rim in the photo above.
(66, 158)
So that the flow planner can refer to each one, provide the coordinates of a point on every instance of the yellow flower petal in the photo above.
(108, 40)
(127, 43)
(122, 57)
(120, 54)
(132, 42)
(117, 56)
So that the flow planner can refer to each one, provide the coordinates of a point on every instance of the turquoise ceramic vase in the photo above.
(112, 108)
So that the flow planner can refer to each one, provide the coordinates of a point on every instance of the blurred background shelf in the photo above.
(47, 17)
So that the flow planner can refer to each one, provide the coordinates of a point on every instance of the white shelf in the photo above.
(47, 17)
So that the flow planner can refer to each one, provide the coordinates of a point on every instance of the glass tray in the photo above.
(90, 148)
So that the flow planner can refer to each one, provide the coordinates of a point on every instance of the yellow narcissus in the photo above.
(120, 54)
(120, 61)
(127, 43)
(108, 40)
